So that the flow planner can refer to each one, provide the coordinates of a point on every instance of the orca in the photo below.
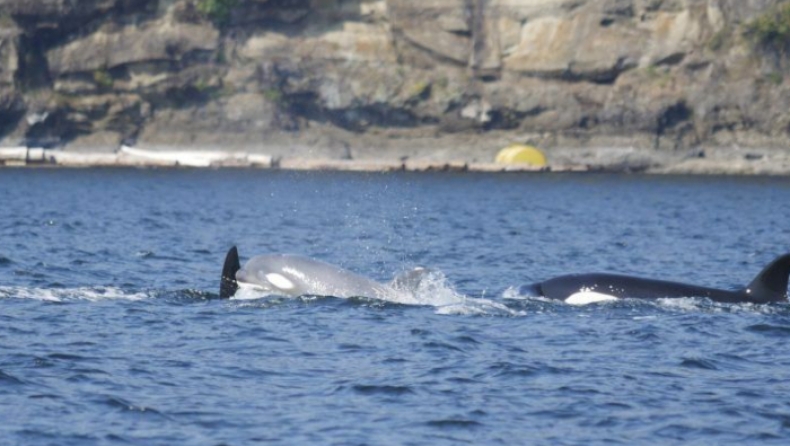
(291, 275)
(770, 285)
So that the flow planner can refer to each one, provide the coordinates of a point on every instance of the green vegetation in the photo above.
(658, 75)
(103, 79)
(772, 29)
(419, 90)
(202, 86)
(720, 39)
(218, 11)
(221, 58)
(273, 95)
(6, 21)
(774, 78)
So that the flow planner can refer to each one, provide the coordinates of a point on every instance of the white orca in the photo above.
(579, 289)
(294, 276)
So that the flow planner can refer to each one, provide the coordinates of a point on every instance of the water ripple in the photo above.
(454, 423)
(8, 378)
(699, 363)
(388, 390)
(118, 403)
(111, 329)
(770, 330)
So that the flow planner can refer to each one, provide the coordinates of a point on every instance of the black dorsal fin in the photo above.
(228, 284)
(771, 284)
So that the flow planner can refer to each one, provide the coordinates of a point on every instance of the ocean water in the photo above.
(111, 332)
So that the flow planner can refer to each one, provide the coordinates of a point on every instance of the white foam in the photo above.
(62, 294)
(512, 293)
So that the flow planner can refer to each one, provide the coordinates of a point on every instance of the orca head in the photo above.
(270, 274)
(259, 274)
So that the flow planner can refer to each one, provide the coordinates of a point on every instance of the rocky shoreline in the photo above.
(676, 86)
(721, 161)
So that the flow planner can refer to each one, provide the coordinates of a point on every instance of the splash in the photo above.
(418, 287)
(66, 294)
(692, 304)
(428, 287)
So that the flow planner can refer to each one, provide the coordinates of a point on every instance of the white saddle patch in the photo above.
(588, 297)
(279, 281)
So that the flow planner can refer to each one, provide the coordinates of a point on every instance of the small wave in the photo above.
(699, 363)
(771, 330)
(145, 254)
(692, 304)
(123, 405)
(66, 294)
(454, 423)
(7, 378)
(182, 294)
(369, 389)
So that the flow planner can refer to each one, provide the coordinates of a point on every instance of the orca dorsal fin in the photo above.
(227, 284)
(771, 284)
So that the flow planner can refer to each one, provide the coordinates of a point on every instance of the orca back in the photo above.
(623, 287)
(770, 285)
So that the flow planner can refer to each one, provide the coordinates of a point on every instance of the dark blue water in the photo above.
(110, 333)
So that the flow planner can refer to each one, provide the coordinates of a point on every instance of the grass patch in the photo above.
(6, 21)
(273, 95)
(103, 79)
(419, 91)
(775, 78)
(771, 30)
(720, 39)
(218, 11)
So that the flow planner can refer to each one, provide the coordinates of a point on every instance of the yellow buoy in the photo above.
(521, 154)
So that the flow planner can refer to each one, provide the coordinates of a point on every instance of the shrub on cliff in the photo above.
(218, 11)
(772, 30)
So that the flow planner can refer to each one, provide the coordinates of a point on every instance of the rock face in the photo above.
(339, 75)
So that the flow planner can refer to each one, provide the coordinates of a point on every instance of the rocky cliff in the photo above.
(339, 76)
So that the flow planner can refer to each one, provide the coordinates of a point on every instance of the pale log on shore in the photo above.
(73, 159)
(130, 157)
(196, 158)
(21, 155)
(338, 164)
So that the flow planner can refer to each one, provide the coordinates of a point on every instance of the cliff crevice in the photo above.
(663, 74)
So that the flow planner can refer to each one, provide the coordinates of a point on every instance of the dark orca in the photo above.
(769, 286)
